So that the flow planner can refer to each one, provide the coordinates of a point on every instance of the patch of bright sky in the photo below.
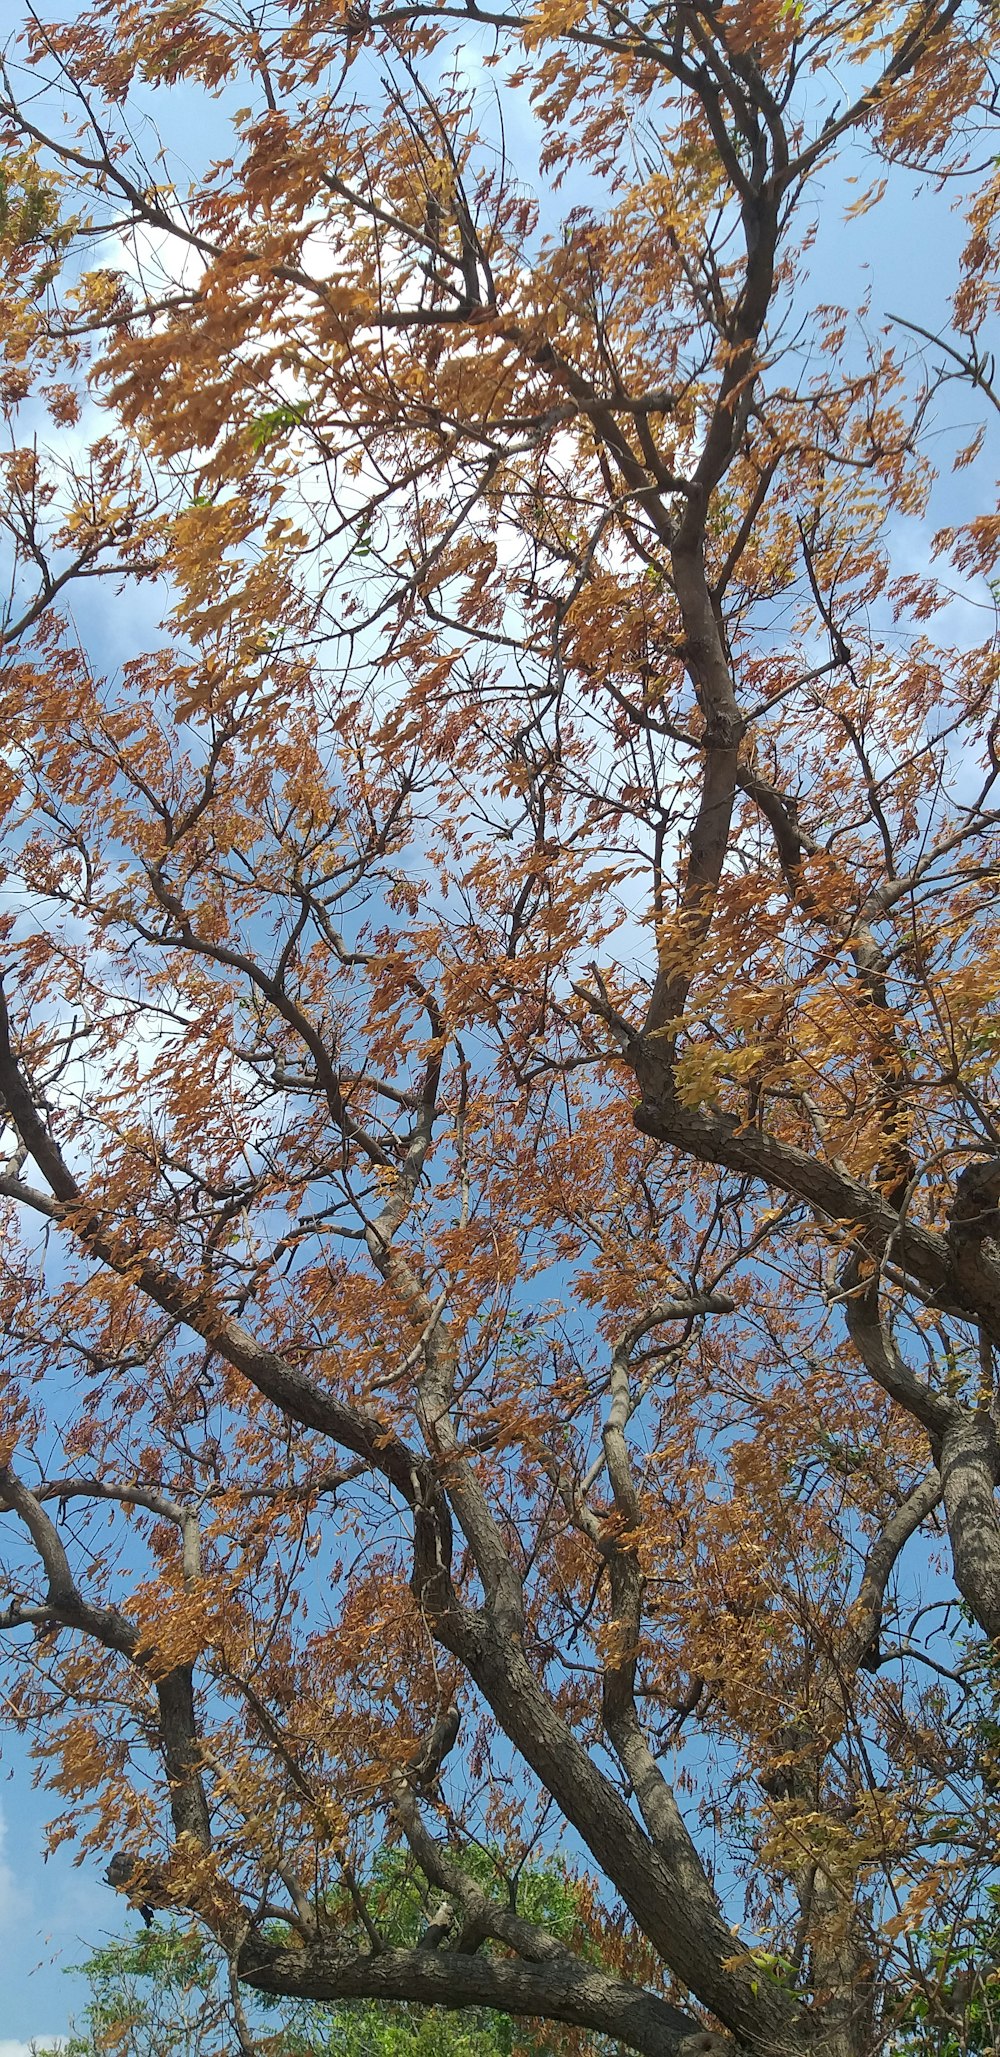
(50, 1913)
(37, 2046)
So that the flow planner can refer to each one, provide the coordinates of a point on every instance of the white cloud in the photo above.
(38, 2046)
(13, 1908)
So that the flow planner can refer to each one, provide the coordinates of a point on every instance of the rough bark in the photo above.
(560, 1990)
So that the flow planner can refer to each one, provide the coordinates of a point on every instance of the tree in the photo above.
(501, 1264)
(157, 1993)
(163, 1991)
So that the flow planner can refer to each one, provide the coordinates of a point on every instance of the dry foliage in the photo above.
(501, 1251)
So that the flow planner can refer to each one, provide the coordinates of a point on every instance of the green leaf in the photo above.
(276, 422)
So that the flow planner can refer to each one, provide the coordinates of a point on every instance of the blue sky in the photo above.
(51, 1913)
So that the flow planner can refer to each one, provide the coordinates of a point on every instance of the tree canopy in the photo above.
(163, 1990)
(500, 1268)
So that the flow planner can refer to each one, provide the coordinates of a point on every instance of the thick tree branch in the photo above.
(558, 1990)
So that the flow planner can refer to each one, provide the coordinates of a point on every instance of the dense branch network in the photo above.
(500, 1026)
